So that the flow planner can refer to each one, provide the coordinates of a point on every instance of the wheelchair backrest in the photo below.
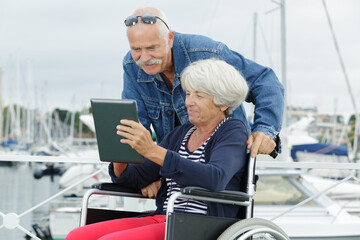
(248, 185)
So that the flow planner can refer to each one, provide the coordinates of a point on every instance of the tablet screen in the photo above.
(107, 114)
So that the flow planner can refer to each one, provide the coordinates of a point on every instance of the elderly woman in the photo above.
(208, 152)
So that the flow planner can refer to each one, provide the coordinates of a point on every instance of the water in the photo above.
(19, 191)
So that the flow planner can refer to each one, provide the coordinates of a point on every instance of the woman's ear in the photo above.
(224, 108)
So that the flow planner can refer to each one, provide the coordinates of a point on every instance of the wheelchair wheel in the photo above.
(257, 228)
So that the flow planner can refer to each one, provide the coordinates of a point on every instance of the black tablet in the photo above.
(107, 114)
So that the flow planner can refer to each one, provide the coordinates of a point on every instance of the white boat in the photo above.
(347, 195)
(319, 218)
(77, 172)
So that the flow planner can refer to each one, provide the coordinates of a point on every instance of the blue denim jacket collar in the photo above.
(180, 56)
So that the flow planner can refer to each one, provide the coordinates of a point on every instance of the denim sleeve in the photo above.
(265, 92)
(131, 91)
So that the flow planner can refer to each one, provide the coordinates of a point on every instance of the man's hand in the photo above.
(151, 190)
(260, 143)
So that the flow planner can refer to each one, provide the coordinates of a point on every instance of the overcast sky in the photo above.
(62, 53)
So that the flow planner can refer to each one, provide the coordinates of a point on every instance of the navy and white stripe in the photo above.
(188, 205)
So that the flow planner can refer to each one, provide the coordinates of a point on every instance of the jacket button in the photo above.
(169, 113)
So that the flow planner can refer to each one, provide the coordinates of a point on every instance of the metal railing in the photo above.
(12, 220)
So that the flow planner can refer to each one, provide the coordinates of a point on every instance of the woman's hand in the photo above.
(119, 168)
(140, 139)
(151, 190)
(136, 135)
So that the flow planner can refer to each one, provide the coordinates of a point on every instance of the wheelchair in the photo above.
(192, 226)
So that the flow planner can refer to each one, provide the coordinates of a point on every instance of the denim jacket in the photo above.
(157, 106)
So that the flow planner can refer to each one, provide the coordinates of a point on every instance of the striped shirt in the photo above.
(182, 204)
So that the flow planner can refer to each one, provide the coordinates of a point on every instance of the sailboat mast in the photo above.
(254, 36)
(283, 57)
(1, 108)
(342, 64)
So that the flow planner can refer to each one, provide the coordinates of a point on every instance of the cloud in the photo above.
(76, 47)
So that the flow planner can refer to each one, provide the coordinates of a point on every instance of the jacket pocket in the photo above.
(153, 111)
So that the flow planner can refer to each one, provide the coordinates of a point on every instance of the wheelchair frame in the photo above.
(226, 228)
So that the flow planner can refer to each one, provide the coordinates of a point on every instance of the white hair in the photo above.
(163, 30)
(217, 78)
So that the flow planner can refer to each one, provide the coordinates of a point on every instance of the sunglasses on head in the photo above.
(145, 18)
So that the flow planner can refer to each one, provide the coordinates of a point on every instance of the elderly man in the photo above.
(152, 71)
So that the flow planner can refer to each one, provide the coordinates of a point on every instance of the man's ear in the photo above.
(171, 38)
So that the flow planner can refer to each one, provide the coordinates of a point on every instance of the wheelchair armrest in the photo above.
(106, 189)
(112, 187)
(225, 194)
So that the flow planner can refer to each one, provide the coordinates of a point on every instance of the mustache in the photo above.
(150, 62)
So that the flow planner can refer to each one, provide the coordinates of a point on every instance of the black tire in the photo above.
(243, 226)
